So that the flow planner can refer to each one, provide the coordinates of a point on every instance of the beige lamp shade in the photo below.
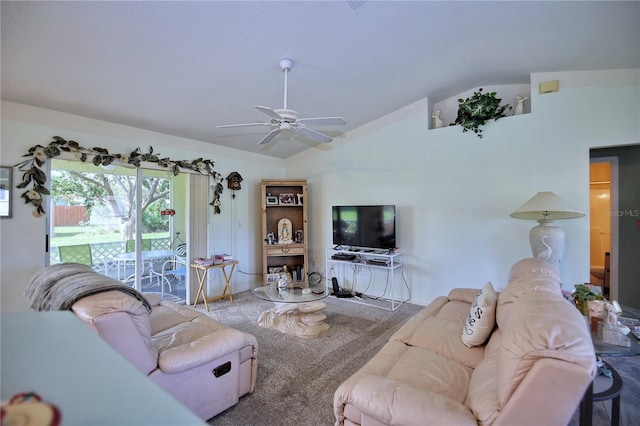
(546, 206)
(546, 239)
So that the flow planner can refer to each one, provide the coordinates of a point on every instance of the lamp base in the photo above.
(547, 242)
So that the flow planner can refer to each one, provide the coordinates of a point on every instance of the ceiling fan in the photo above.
(287, 119)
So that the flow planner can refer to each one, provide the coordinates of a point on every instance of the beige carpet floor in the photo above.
(297, 377)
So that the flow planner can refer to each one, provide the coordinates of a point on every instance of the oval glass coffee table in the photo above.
(296, 311)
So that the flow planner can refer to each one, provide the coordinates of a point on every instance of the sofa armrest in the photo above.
(120, 331)
(550, 383)
(123, 321)
(152, 298)
(204, 349)
(391, 402)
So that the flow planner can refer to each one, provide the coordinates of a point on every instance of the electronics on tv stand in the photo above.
(343, 256)
(364, 226)
(366, 250)
(379, 262)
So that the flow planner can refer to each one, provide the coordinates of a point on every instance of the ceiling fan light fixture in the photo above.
(288, 119)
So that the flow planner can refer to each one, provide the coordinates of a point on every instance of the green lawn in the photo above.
(71, 235)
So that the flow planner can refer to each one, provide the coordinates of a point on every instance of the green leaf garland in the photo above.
(34, 178)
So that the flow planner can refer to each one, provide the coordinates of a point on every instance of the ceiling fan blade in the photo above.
(272, 134)
(271, 113)
(323, 121)
(242, 125)
(312, 134)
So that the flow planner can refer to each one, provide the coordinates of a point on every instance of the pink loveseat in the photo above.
(201, 362)
(533, 369)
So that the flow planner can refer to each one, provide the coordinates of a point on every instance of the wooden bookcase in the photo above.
(284, 199)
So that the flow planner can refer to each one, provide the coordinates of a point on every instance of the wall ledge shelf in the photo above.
(506, 93)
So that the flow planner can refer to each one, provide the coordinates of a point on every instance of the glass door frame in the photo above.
(138, 224)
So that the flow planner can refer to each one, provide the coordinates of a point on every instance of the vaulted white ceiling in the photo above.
(182, 68)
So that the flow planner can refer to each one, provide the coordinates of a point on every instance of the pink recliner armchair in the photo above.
(204, 364)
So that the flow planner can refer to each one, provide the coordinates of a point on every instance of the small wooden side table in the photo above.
(203, 270)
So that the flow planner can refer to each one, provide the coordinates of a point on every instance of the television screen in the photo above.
(364, 226)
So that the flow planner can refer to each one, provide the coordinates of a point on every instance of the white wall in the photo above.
(454, 192)
(23, 236)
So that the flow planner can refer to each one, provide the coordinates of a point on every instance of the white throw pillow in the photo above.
(482, 317)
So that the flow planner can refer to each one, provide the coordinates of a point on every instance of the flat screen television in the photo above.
(364, 226)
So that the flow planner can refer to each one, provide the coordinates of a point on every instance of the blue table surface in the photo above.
(59, 357)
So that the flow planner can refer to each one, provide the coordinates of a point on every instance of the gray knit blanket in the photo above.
(58, 287)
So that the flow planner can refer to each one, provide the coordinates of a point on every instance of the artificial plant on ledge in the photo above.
(476, 110)
(34, 178)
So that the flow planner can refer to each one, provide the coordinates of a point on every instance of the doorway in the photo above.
(601, 206)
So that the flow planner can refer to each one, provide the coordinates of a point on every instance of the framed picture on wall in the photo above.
(5, 191)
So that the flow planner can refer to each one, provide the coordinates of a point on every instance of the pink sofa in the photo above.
(533, 369)
(201, 362)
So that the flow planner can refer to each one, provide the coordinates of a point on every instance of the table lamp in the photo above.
(547, 240)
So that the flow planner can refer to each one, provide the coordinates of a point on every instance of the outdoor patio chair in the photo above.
(176, 266)
(130, 245)
(81, 253)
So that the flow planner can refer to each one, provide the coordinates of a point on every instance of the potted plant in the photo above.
(582, 295)
(476, 110)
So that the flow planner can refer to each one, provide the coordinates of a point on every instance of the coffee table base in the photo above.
(300, 319)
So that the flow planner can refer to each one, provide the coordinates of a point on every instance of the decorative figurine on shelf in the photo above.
(518, 109)
(437, 119)
(271, 238)
(299, 237)
(284, 231)
(299, 196)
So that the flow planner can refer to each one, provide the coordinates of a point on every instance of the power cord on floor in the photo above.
(240, 271)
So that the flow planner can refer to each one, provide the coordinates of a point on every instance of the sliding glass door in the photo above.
(120, 221)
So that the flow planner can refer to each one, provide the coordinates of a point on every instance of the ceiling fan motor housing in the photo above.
(288, 116)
